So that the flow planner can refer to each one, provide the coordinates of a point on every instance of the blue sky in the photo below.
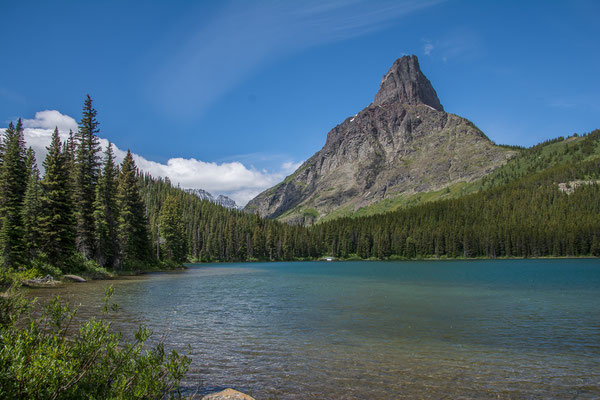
(229, 96)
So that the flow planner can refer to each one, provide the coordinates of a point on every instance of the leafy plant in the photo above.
(48, 358)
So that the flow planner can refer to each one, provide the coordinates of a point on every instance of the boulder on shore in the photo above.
(227, 394)
(73, 278)
(47, 281)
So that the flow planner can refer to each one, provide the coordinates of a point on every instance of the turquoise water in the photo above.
(375, 330)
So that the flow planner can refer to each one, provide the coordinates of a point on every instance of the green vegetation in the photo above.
(52, 357)
(13, 182)
(534, 159)
(140, 222)
(529, 217)
(85, 177)
(172, 230)
(85, 215)
(89, 216)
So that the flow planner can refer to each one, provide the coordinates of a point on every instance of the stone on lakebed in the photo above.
(227, 394)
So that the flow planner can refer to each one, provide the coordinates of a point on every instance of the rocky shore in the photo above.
(49, 281)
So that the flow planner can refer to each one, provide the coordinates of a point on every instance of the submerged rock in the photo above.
(227, 394)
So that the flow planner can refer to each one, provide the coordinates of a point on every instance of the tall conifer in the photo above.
(13, 180)
(56, 220)
(31, 205)
(172, 230)
(133, 230)
(87, 168)
(107, 212)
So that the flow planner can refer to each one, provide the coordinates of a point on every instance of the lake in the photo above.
(373, 330)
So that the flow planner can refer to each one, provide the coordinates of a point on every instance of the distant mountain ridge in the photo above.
(220, 199)
(401, 144)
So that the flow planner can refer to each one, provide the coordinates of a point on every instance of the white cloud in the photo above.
(290, 166)
(457, 44)
(49, 119)
(428, 48)
(206, 61)
(39, 130)
(232, 179)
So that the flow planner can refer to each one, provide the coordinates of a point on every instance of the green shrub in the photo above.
(13, 305)
(48, 359)
(10, 277)
(42, 264)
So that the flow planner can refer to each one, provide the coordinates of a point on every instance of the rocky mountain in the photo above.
(226, 202)
(401, 144)
(220, 199)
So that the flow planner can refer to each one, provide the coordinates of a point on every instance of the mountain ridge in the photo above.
(221, 200)
(403, 142)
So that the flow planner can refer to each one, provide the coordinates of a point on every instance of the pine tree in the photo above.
(10, 128)
(172, 230)
(107, 212)
(13, 180)
(133, 231)
(69, 152)
(56, 220)
(31, 206)
(87, 168)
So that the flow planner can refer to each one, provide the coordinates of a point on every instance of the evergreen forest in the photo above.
(86, 213)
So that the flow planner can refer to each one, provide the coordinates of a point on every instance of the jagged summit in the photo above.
(406, 84)
(220, 200)
(402, 144)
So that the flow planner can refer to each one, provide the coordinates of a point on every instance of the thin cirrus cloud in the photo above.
(232, 179)
(220, 54)
(457, 44)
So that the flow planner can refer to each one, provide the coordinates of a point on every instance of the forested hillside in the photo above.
(518, 211)
(528, 160)
(86, 213)
(210, 232)
(529, 217)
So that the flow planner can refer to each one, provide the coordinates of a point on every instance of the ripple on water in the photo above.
(502, 329)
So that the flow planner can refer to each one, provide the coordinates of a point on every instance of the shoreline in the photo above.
(117, 275)
(322, 259)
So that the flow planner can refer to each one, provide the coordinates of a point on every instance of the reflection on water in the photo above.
(376, 330)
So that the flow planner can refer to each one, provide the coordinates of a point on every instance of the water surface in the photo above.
(373, 330)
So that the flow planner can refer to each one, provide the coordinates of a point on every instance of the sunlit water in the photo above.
(373, 330)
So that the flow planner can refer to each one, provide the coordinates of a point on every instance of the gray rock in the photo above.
(73, 278)
(405, 83)
(46, 281)
(227, 394)
(220, 199)
(226, 202)
(401, 144)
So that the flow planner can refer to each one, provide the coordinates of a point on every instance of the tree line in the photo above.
(529, 217)
(519, 213)
(86, 209)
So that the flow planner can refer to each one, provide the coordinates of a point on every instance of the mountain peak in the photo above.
(405, 83)
(392, 149)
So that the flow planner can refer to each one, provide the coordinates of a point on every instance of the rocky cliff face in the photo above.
(220, 199)
(402, 143)
(405, 84)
